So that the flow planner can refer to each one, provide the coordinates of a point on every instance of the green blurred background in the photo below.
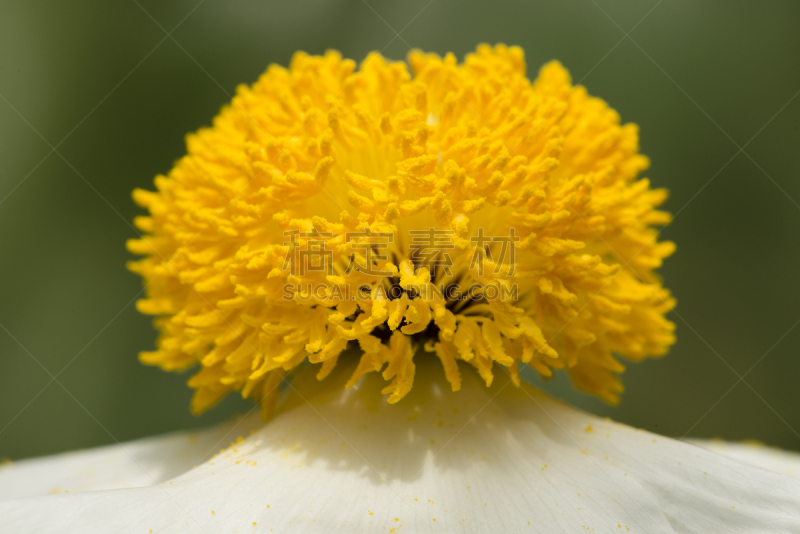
(101, 81)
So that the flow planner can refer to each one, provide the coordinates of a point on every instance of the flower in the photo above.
(496, 459)
(328, 208)
(527, 193)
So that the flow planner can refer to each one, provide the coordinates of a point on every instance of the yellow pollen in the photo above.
(397, 209)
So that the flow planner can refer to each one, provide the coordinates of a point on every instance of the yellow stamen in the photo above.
(288, 231)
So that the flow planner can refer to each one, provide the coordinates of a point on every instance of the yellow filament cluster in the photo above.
(322, 148)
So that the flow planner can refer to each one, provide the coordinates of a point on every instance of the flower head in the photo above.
(457, 209)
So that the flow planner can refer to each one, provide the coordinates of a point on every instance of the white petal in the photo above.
(480, 460)
(143, 462)
(783, 462)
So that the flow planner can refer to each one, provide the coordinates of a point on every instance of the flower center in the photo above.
(464, 211)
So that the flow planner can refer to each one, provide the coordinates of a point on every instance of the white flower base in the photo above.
(497, 459)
